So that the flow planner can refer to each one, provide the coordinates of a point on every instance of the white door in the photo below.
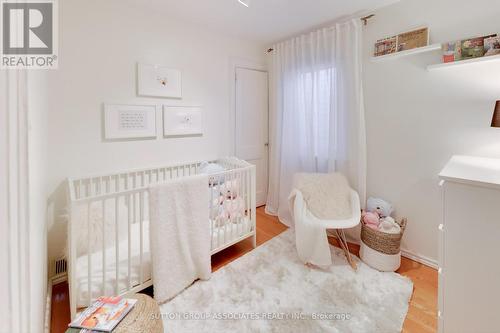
(251, 127)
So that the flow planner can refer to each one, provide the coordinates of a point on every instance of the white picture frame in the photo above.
(129, 121)
(181, 121)
(158, 81)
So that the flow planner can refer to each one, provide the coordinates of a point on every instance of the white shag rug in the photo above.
(270, 290)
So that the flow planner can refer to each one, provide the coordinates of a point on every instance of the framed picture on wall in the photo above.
(182, 121)
(158, 81)
(129, 121)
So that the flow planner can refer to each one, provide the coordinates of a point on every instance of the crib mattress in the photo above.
(230, 231)
(96, 281)
(220, 236)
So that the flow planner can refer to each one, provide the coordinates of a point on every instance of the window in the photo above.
(316, 102)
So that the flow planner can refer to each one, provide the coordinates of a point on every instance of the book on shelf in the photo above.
(492, 46)
(404, 41)
(103, 315)
(413, 39)
(452, 51)
(471, 48)
(386, 46)
(474, 47)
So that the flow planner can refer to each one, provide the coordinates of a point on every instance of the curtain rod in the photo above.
(364, 19)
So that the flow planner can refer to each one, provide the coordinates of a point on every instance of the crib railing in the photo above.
(116, 205)
(124, 181)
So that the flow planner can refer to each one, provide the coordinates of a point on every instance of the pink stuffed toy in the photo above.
(234, 208)
(371, 220)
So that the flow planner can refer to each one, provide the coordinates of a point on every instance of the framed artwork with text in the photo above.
(129, 121)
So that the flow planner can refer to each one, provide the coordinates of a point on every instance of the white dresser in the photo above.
(469, 246)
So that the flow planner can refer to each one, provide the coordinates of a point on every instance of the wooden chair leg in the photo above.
(345, 246)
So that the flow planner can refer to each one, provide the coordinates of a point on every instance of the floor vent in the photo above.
(59, 269)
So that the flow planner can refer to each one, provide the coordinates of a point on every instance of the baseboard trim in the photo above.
(48, 307)
(405, 253)
(59, 278)
(420, 259)
(409, 255)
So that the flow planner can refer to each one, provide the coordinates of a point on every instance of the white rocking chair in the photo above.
(311, 233)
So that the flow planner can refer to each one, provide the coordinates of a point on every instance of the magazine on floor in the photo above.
(104, 315)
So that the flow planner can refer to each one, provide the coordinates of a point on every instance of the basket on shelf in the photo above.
(382, 250)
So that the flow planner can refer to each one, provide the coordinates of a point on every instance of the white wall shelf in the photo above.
(463, 62)
(401, 54)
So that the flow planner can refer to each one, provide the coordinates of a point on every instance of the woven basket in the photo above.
(144, 317)
(381, 241)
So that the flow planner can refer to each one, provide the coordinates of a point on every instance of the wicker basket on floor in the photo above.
(383, 242)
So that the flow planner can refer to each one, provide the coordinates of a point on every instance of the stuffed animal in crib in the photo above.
(230, 189)
(227, 205)
(211, 169)
(233, 209)
(215, 195)
(218, 218)
(215, 210)
(380, 206)
(228, 211)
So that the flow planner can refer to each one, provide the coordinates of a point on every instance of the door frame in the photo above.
(239, 63)
(235, 63)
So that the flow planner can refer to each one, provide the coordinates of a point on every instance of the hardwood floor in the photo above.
(422, 314)
(60, 316)
(267, 228)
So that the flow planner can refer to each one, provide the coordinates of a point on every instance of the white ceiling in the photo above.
(265, 21)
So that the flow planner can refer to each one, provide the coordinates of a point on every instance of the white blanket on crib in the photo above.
(179, 235)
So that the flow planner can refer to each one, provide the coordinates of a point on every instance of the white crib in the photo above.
(108, 231)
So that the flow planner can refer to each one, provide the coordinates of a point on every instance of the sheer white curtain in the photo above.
(317, 112)
(23, 204)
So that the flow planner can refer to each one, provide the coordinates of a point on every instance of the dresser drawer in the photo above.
(469, 248)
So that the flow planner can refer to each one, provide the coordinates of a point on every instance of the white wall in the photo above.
(100, 44)
(416, 120)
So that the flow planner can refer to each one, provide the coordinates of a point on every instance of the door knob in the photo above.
(266, 144)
